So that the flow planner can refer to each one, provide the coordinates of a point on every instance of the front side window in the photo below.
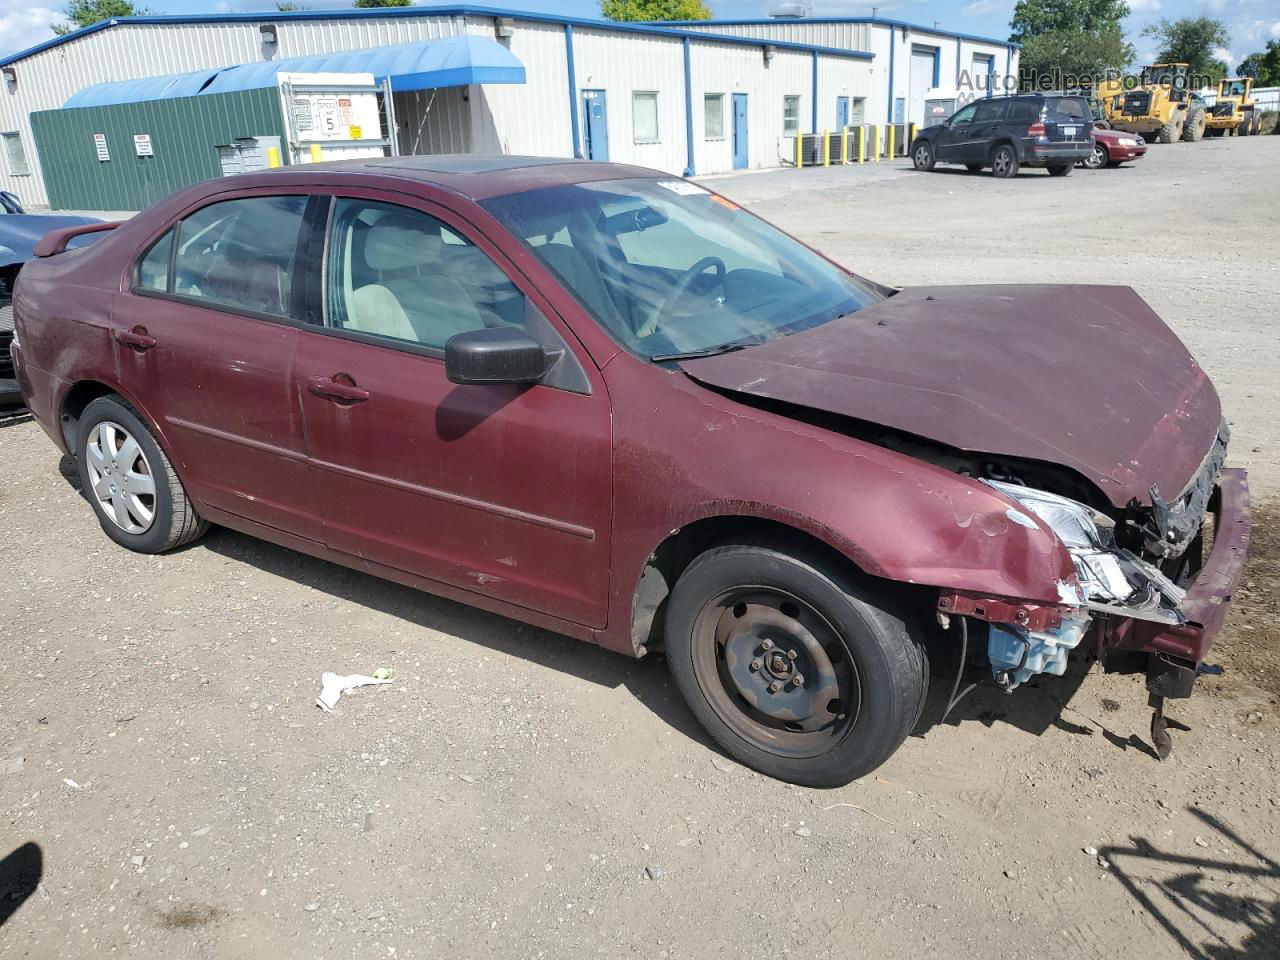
(404, 275)
(15, 154)
(713, 116)
(790, 116)
(240, 253)
(965, 115)
(644, 116)
(668, 267)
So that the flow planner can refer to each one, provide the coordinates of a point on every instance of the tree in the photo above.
(85, 13)
(1263, 67)
(1069, 43)
(384, 3)
(640, 10)
(1192, 40)
(288, 6)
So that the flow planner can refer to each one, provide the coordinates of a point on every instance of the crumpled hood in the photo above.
(19, 233)
(1087, 377)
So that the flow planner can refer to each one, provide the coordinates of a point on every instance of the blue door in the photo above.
(740, 160)
(842, 112)
(596, 130)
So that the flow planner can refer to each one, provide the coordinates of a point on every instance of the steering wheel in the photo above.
(681, 289)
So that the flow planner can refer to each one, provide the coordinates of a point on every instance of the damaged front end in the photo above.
(1144, 582)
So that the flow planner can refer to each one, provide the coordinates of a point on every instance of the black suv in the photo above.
(1006, 133)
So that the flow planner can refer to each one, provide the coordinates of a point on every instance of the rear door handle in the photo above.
(332, 389)
(138, 338)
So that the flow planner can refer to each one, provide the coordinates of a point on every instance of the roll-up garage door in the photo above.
(922, 70)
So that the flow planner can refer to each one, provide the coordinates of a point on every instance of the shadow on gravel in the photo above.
(647, 680)
(20, 874)
(1215, 907)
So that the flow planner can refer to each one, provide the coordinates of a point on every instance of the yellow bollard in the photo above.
(844, 146)
(317, 154)
(915, 128)
(273, 157)
(799, 150)
(862, 144)
(826, 148)
(889, 144)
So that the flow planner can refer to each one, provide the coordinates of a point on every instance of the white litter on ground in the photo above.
(332, 687)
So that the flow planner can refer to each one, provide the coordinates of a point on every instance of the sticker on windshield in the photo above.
(681, 187)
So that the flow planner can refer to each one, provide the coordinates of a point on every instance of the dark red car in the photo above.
(611, 403)
(1114, 147)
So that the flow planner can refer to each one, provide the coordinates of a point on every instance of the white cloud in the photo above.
(23, 25)
(1136, 6)
(1217, 6)
(1225, 55)
(1275, 29)
(979, 7)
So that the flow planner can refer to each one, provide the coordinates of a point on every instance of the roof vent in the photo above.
(789, 11)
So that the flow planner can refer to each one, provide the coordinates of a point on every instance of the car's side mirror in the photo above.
(495, 355)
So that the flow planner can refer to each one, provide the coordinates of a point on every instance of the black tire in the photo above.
(973, 167)
(1193, 129)
(174, 520)
(1004, 161)
(1061, 169)
(922, 155)
(730, 635)
(1098, 158)
(1170, 132)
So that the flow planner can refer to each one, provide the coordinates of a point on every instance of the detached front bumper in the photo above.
(1209, 595)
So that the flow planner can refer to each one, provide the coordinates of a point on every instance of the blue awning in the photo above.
(450, 62)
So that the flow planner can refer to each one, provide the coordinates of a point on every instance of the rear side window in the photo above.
(153, 269)
(240, 253)
(990, 111)
(1073, 107)
(1024, 111)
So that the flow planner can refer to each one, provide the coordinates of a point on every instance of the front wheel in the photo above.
(1061, 169)
(129, 481)
(1004, 162)
(1098, 158)
(796, 669)
(922, 156)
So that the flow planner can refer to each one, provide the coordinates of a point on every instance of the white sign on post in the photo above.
(332, 116)
(100, 145)
(142, 145)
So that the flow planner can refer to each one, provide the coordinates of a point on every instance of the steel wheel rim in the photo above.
(922, 155)
(120, 477)
(1096, 158)
(1002, 162)
(776, 671)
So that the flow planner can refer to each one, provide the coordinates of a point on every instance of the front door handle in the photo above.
(138, 338)
(332, 389)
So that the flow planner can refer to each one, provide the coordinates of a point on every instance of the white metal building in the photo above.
(687, 99)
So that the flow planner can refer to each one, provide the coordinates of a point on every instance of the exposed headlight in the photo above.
(1088, 535)
(1126, 142)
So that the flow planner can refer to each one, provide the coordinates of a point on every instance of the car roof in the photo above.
(475, 176)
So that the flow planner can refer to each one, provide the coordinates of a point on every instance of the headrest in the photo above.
(394, 243)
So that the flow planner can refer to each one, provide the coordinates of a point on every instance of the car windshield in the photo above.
(670, 268)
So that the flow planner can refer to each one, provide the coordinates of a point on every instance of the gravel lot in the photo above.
(515, 794)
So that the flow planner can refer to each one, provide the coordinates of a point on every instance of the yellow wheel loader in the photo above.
(1161, 107)
(1235, 113)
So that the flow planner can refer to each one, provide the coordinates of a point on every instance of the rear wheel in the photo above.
(1193, 130)
(922, 156)
(1061, 169)
(129, 481)
(795, 668)
(1097, 158)
(1004, 162)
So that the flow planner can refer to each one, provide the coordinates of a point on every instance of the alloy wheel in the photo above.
(1001, 164)
(922, 156)
(121, 477)
(1096, 159)
(776, 671)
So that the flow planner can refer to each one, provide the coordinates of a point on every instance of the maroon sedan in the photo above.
(614, 404)
(1114, 147)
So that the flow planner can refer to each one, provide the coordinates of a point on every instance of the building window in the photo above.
(790, 116)
(15, 155)
(713, 114)
(644, 116)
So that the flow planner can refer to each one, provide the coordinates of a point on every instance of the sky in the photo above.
(1250, 22)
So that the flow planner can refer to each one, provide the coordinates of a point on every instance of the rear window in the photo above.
(1073, 107)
